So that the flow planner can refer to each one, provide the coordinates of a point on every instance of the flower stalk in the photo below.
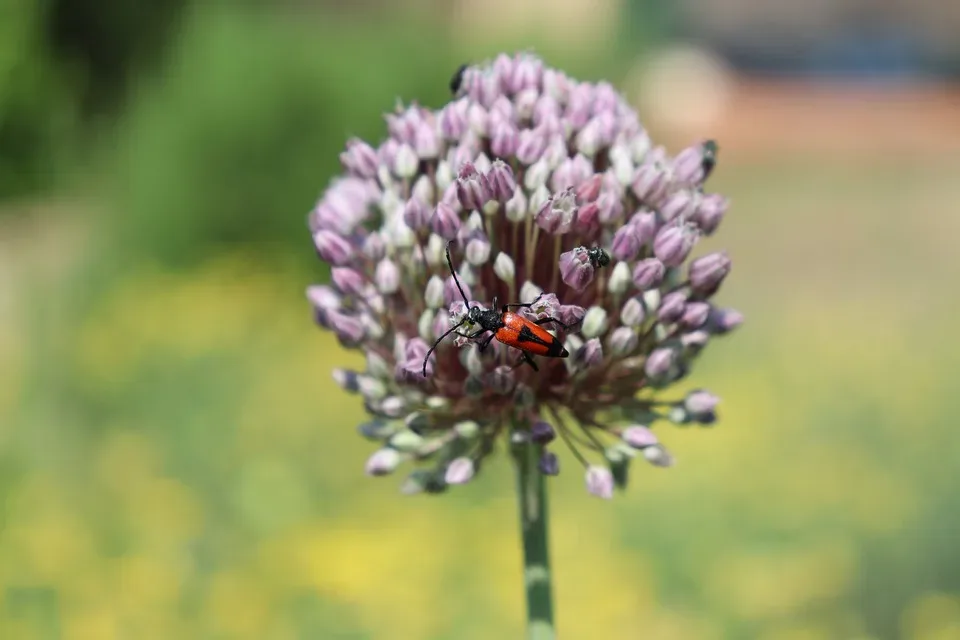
(532, 501)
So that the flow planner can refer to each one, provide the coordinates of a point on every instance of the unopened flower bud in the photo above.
(549, 464)
(721, 321)
(626, 243)
(502, 380)
(516, 207)
(349, 328)
(433, 295)
(710, 212)
(648, 274)
(529, 291)
(701, 406)
(695, 314)
(638, 437)
(659, 363)
(688, 166)
(477, 252)
(451, 293)
(332, 247)
(541, 432)
(570, 314)
(406, 162)
(359, 159)
(620, 279)
(599, 481)
(500, 182)
(708, 272)
(589, 355)
(467, 429)
(632, 313)
(504, 268)
(469, 189)
(679, 205)
(649, 183)
(622, 341)
(671, 307)
(594, 322)
(387, 276)
(645, 226)
(406, 441)
(347, 281)
(416, 214)
(459, 471)
(382, 462)
(673, 244)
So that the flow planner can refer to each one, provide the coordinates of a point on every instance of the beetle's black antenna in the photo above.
(440, 339)
(455, 279)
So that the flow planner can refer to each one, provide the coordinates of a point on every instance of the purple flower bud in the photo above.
(671, 307)
(557, 215)
(610, 205)
(648, 274)
(469, 188)
(659, 363)
(323, 298)
(590, 138)
(678, 205)
(576, 269)
(549, 464)
(570, 314)
(639, 437)
(374, 247)
(579, 104)
(645, 223)
(632, 314)
(478, 251)
(416, 214)
(722, 321)
(605, 98)
(451, 294)
(626, 243)
(588, 219)
(387, 276)
(701, 406)
(708, 272)
(694, 340)
(710, 212)
(695, 314)
(674, 243)
(622, 341)
(589, 189)
(478, 119)
(360, 159)
(531, 145)
(505, 140)
(347, 281)
(349, 329)
(500, 182)
(541, 432)
(453, 119)
(387, 153)
(332, 247)
(445, 222)
(688, 166)
(527, 72)
(427, 142)
(459, 471)
(599, 482)
(589, 355)
(649, 183)
(382, 462)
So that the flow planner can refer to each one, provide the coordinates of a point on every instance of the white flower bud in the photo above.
(620, 279)
(594, 322)
(503, 267)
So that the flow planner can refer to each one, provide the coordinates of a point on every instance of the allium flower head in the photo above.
(547, 191)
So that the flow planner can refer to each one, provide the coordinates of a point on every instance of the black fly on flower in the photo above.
(548, 191)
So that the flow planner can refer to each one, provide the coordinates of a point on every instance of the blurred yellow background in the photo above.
(176, 461)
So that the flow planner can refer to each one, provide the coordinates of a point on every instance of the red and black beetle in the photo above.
(512, 329)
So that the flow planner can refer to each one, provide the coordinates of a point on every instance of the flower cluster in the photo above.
(545, 189)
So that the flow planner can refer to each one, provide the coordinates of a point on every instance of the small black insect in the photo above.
(709, 161)
(457, 80)
(598, 257)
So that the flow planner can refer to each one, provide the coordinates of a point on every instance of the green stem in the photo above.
(531, 491)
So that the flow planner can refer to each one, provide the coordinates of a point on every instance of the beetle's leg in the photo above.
(543, 321)
(486, 343)
(520, 305)
(472, 336)
(529, 360)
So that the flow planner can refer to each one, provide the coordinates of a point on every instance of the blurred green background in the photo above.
(176, 462)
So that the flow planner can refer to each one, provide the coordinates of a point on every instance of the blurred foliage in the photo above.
(37, 110)
(243, 127)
